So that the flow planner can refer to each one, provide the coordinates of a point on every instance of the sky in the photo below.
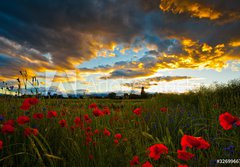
(120, 45)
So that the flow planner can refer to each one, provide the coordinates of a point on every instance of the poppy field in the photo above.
(194, 129)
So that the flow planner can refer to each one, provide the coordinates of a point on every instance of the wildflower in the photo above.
(183, 155)
(156, 150)
(182, 165)
(63, 123)
(125, 140)
(51, 114)
(147, 117)
(116, 141)
(90, 157)
(118, 136)
(77, 121)
(1, 117)
(88, 129)
(134, 161)
(38, 116)
(9, 122)
(230, 149)
(88, 140)
(1, 144)
(96, 131)
(87, 119)
(97, 112)
(227, 121)
(147, 164)
(32, 101)
(23, 119)
(25, 106)
(27, 131)
(106, 132)
(89, 134)
(35, 131)
(93, 105)
(106, 111)
(28, 102)
(164, 109)
(191, 141)
(137, 111)
(6, 128)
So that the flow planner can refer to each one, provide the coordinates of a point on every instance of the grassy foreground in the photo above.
(163, 119)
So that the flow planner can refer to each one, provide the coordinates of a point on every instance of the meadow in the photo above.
(193, 129)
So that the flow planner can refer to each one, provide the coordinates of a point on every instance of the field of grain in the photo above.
(194, 129)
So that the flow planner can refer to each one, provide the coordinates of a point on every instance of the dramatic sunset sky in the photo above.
(120, 45)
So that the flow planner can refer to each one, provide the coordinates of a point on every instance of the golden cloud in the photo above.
(235, 43)
(187, 6)
(153, 81)
(193, 55)
(201, 9)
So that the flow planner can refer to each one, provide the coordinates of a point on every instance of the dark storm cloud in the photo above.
(124, 74)
(15, 57)
(75, 31)
(5, 60)
(153, 81)
(71, 31)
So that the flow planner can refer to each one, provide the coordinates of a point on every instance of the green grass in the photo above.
(195, 114)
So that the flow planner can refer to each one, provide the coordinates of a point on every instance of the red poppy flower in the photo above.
(116, 141)
(118, 136)
(7, 129)
(9, 122)
(134, 161)
(25, 107)
(191, 141)
(88, 133)
(106, 132)
(88, 129)
(156, 150)
(29, 131)
(164, 109)
(96, 131)
(23, 119)
(35, 131)
(77, 121)
(90, 157)
(1, 144)
(125, 140)
(93, 105)
(28, 102)
(88, 140)
(38, 116)
(63, 123)
(137, 111)
(97, 112)
(182, 165)
(87, 119)
(227, 121)
(106, 111)
(32, 101)
(183, 155)
(147, 164)
(51, 114)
